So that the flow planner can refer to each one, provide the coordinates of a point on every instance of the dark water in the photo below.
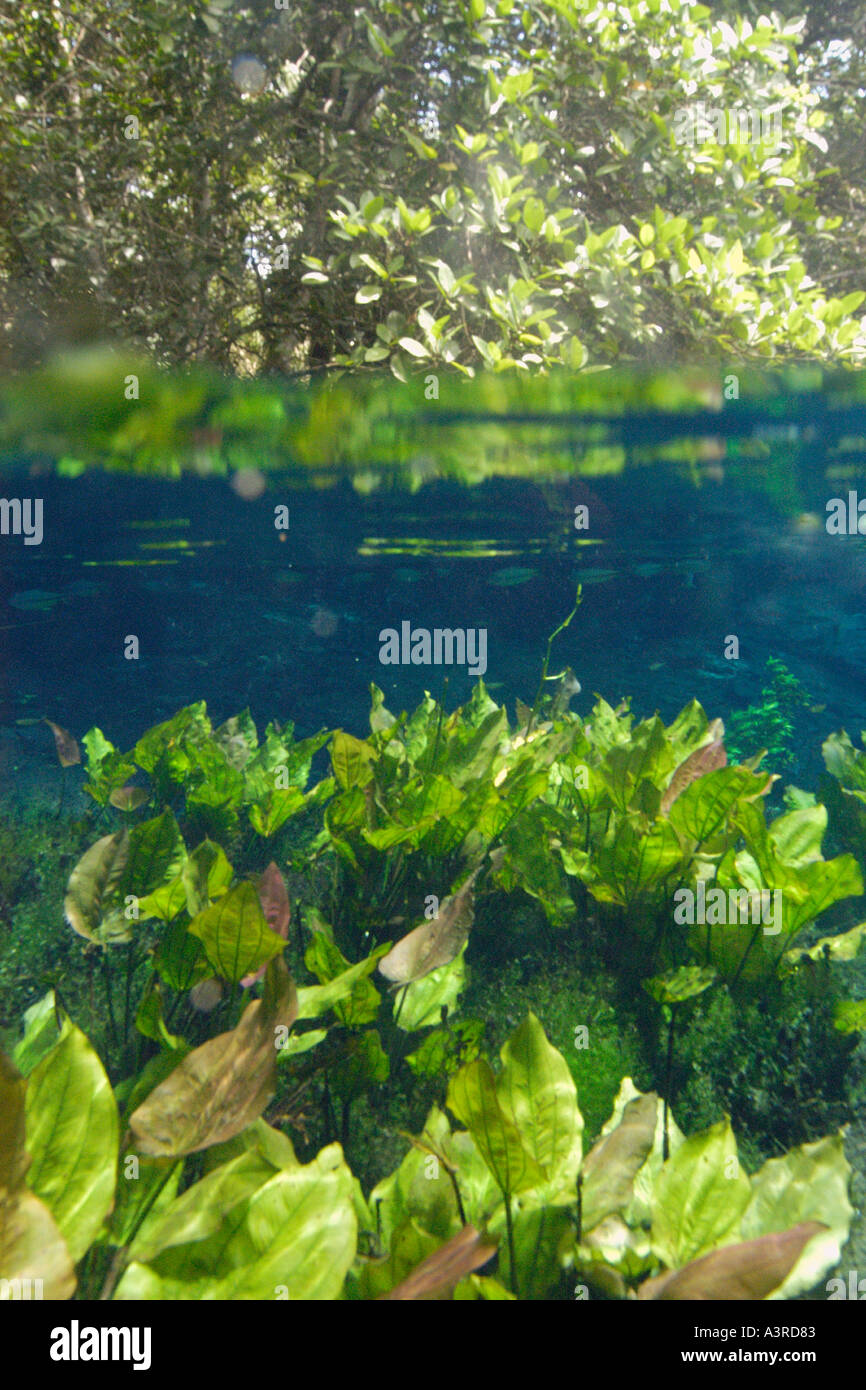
(226, 608)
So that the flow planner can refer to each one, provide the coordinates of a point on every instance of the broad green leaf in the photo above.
(277, 807)
(297, 1043)
(32, 1247)
(315, 1000)
(365, 1065)
(410, 1247)
(180, 959)
(421, 1003)
(237, 738)
(797, 836)
(821, 885)
(844, 946)
(150, 1020)
(351, 759)
(41, 1032)
(685, 982)
(699, 1197)
(700, 811)
(534, 213)
(473, 1098)
(235, 935)
(324, 958)
(107, 769)
(155, 856)
(636, 862)
(164, 748)
(420, 1187)
(540, 1234)
(150, 1186)
(849, 1016)
(248, 1231)
(537, 1093)
(481, 1286)
(206, 875)
(648, 756)
(72, 1137)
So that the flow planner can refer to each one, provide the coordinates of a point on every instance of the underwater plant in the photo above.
(770, 723)
(284, 956)
(181, 1189)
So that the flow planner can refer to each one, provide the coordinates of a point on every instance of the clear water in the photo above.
(702, 546)
(674, 560)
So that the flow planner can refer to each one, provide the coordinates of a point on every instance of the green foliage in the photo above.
(777, 1066)
(483, 185)
(418, 861)
(770, 724)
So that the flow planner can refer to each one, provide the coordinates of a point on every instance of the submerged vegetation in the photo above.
(284, 981)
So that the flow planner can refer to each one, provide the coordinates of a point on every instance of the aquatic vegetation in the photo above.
(771, 723)
(277, 956)
(135, 1217)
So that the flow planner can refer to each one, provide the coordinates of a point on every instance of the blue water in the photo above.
(228, 609)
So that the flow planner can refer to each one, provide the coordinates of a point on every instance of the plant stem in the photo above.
(118, 1264)
(439, 724)
(745, 956)
(107, 978)
(454, 1183)
(400, 1005)
(509, 1226)
(668, 1069)
(130, 970)
(579, 1208)
(545, 666)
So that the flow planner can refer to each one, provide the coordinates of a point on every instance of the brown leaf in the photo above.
(751, 1269)
(434, 943)
(206, 994)
(459, 1256)
(610, 1167)
(707, 759)
(222, 1086)
(276, 910)
(128, 798)
(67, 749)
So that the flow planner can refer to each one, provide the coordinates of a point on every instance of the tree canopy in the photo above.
(297, 185)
